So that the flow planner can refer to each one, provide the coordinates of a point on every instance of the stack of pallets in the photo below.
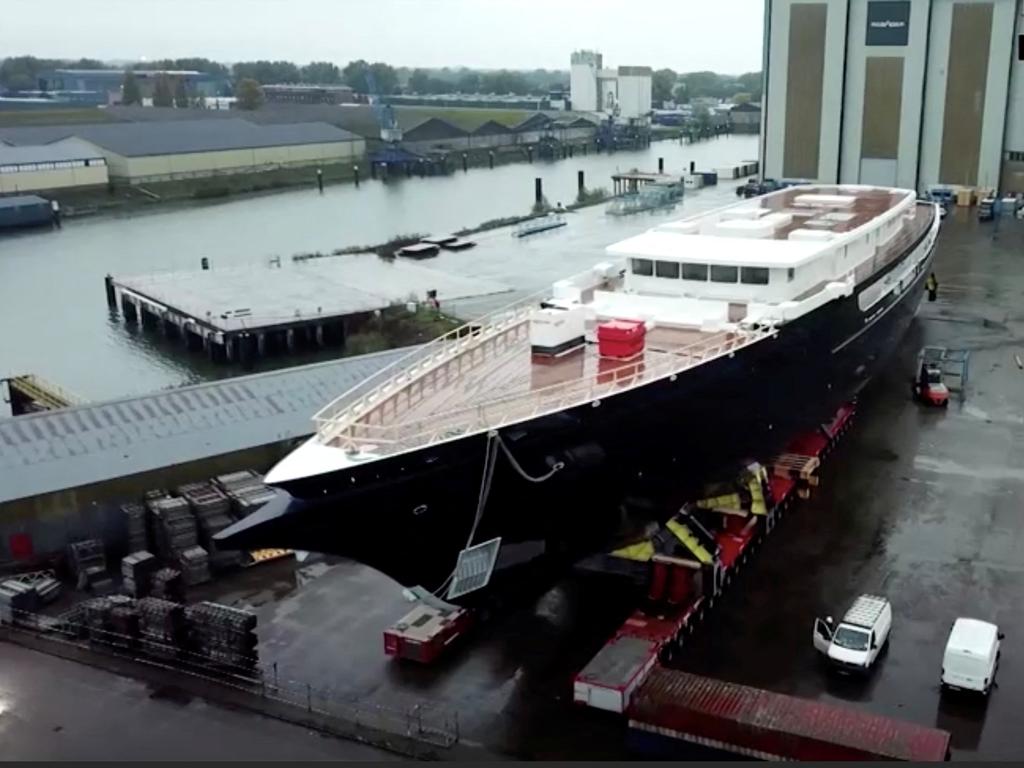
(168, 585)
(17, 599)
(161, 625)
(222, 634)
(135, 524)
(137, 570)
(88, 562)
(212, 509)
(174, 527)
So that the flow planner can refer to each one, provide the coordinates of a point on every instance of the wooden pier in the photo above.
(241, 314)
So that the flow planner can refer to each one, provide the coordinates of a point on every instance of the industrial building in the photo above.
(745, 118)
(624, 92)
(63, 164)
(147, 152)
(301, 93)
(912, 93)
(103, 86)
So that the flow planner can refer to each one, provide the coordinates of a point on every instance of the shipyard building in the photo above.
(911, 93)
(138, 153)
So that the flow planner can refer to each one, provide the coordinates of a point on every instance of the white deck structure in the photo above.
(704, 287)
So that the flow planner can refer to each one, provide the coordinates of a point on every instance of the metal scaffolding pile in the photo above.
(135, 523)
(137, 571)
(223, 635)
(212, 509)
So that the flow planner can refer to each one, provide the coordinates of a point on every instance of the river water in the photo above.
(57, 324)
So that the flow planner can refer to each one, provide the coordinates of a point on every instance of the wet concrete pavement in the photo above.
(102, 716)
(923, 506)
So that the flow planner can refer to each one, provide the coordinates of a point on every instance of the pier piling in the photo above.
(355, 174)
(661, 165)
(579, 182)
(490, 159)
(465, 165)
(108, 283)
(538, 190)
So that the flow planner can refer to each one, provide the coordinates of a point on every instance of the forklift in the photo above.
(929, 388)
(935, 367)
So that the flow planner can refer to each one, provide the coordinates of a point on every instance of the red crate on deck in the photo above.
(621, 338)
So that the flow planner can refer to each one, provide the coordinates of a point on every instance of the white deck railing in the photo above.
(502, 411)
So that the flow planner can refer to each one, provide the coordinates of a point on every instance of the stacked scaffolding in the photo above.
(137, 571)
(162, 625)
(212, 510)
(223, 635)
(168, 585)
(135, 523)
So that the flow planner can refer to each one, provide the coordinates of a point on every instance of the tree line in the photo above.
(22, 72)
(668, 85)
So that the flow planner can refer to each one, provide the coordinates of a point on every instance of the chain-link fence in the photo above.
(418, 725)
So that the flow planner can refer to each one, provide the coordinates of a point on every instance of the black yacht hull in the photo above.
(409, 515)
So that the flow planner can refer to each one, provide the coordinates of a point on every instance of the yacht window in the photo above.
(720, 274)
(754, 275)
(790, 274)
(643, 267)
(695, 272)
(667, 269)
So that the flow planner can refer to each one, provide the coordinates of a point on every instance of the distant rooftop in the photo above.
(64, 150)
(181, 136)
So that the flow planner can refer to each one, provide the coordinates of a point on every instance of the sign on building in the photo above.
(888, 22)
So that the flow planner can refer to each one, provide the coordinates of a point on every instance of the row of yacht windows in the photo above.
(716, 273)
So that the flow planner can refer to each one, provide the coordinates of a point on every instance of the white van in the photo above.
(972, 656)
(854, 645)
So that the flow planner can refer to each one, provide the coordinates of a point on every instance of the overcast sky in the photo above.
(685, 35)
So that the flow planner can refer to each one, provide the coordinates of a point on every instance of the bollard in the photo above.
(579, 182)
(355, 172)
(538, 190)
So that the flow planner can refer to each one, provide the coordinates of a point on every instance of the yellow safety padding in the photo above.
(642, 552)
(689, 541)
(728, 501)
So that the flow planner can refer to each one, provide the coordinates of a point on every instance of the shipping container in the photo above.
(24, 211)
(760, 724)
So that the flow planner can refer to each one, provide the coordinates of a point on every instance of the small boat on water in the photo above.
(419, 250)
(457, 244)
(541, 224)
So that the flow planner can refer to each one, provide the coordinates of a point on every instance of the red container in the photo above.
(765, 725)
(623, 339)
